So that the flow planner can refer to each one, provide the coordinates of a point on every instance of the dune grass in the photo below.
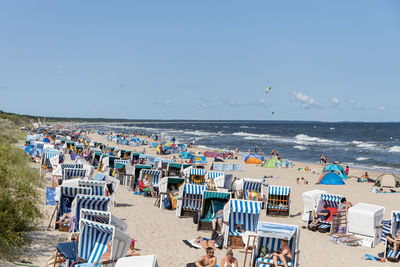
(19, 195)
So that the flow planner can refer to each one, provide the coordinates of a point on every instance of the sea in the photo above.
(374, 146)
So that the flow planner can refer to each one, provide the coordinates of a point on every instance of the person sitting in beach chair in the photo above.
(394, 241)
(284, 254)
(218, 219)
(318, 217)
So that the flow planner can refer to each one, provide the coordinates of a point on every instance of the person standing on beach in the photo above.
(322, 159)
(347, 170)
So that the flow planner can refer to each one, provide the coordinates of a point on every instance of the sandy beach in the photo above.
(161, 232)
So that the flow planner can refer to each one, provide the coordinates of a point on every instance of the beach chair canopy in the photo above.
(275, 230)
(214, 174)
(195, 171)
(98, 187)
(88, 202)
(70, 173)
(175, 165)
(120, 163)
(331, 200)
(48, 154)
(194, 189)
(278, 190)
(94, 238)
(103, 217)
(215, 194)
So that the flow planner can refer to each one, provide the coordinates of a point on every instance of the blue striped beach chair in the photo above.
(269, 235)
(215, 180)
(49, 153)
(98, 187)
(197, 176)
(71, 173)
(389, 250)
(94, 238)
(67, 196)
(386, 227)
(278, 200)
(331, 201)
(190, 199)
(103, 217)
(88, 202)
(240, 212)
(153, 174)
(251, 185)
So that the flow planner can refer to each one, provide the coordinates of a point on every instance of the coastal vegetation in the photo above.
(19, 183)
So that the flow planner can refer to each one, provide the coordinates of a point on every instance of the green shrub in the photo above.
(19, 195)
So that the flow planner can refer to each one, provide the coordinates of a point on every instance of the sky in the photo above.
(324, 60)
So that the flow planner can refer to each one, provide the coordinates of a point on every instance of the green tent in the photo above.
(271, 163)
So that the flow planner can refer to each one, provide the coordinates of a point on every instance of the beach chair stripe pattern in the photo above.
(273, 244)
(195, 171)
(278, 190)
(213, 174)
(48, 154)
(71, 166)
(103, 217)
(67, 191)
(386, 226)
(154, 173)
(98, 187)
(71, 173)
(251, 186)
(89, 202)
(394, 228)
(215, 194)
(94, 239)
(331, 200)
(192, 196)
(244, 212)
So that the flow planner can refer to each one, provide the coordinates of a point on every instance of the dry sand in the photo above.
(160, 232)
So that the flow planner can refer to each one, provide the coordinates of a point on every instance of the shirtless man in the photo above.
(209, 260)
(284, 254)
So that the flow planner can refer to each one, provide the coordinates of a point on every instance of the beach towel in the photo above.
(191, 243)
(50, 196)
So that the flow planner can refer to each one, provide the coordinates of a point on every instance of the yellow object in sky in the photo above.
(267, 89)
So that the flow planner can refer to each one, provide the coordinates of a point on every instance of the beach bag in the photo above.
(219, 241)
(167, 203)
(214, 235)
(265, 253)
(195, 218)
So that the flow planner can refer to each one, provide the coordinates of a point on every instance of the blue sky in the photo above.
(330, 61)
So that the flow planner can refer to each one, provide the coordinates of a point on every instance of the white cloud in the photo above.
(352, 102)
(164, 102)
(305, 100)
(207, 105)
(381, 108)
(59, 71)
(335, 101)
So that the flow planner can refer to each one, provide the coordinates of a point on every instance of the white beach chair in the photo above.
(103, 217)
(138, 261)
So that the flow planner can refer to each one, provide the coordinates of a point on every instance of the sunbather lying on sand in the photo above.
(205, 242)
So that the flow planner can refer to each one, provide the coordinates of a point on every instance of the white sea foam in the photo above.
(301, 147)
(303, 138)
(361, 158)
(361, 144)
(394, 149)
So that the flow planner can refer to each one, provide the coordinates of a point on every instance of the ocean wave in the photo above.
(244, 127)
(362, 158)
(301, 147)
(310, 139)
(361, 144)
(394, 149)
